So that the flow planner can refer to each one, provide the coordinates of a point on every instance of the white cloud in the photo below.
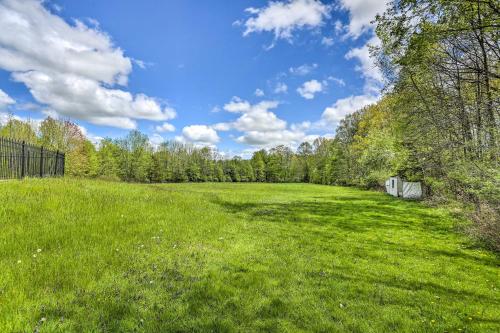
(339, 27)
(222, 126)
(5, 117)
(5, 99)
(310, 88)
(303, 69)
(327, 41)
(259, 118)
(280, 88)
(259, 92)
(361, 14)
(165, 127)
(199, 134)
(255, 117)
(216, 109)
(372, 74)
(156, 140)
(71, 68)
(342, 107)
(303, 126)
(368, 67)
(338, 81)
(284, 17)
(260, 126)
(271, 138)
(237, 105)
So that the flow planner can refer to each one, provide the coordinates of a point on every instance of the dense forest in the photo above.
(437, 122)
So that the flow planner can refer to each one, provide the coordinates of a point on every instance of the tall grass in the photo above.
(93, 256)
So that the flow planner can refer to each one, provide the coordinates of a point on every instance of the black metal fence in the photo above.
(20, 159)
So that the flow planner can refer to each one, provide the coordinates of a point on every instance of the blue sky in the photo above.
(236, 75)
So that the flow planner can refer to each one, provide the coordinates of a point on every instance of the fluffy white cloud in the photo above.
(260, 119)
(303, 69)
(342, 107)
(284, 17)
(199, 134)
(165, 127)
(83, 98)
(260, 126)
(222, 126)
(310, 88)
(361, 14)
(255, 117)
(34, 39)
(71, 68)
(237, 105)
(280, 88)
(367, 66)
(259, 92)
(271, 138)
(5, 99)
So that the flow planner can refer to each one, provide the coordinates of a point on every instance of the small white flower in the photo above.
(19, 261)
(34, 256)
(43, 319)
(39, 250)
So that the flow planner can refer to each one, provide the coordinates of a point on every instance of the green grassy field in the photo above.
(91, 256)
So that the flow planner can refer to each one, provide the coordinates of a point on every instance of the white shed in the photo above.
(394, 186)
(397, 187)
(412, 190)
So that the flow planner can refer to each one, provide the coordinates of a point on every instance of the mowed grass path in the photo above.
(92, 256)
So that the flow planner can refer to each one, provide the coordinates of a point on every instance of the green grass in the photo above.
(119, 257)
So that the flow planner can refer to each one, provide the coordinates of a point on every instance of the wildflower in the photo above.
(39, 250)
(43, 319)
(433, 321)
(341, 305)
(34, 256)
(19, 261)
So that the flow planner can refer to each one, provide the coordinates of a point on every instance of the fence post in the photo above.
(23, 160)
(41, 162)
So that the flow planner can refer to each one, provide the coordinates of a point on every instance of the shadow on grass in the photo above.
(378, 215)
(359, 214)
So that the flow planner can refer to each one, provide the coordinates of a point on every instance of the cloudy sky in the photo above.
(236, 75)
